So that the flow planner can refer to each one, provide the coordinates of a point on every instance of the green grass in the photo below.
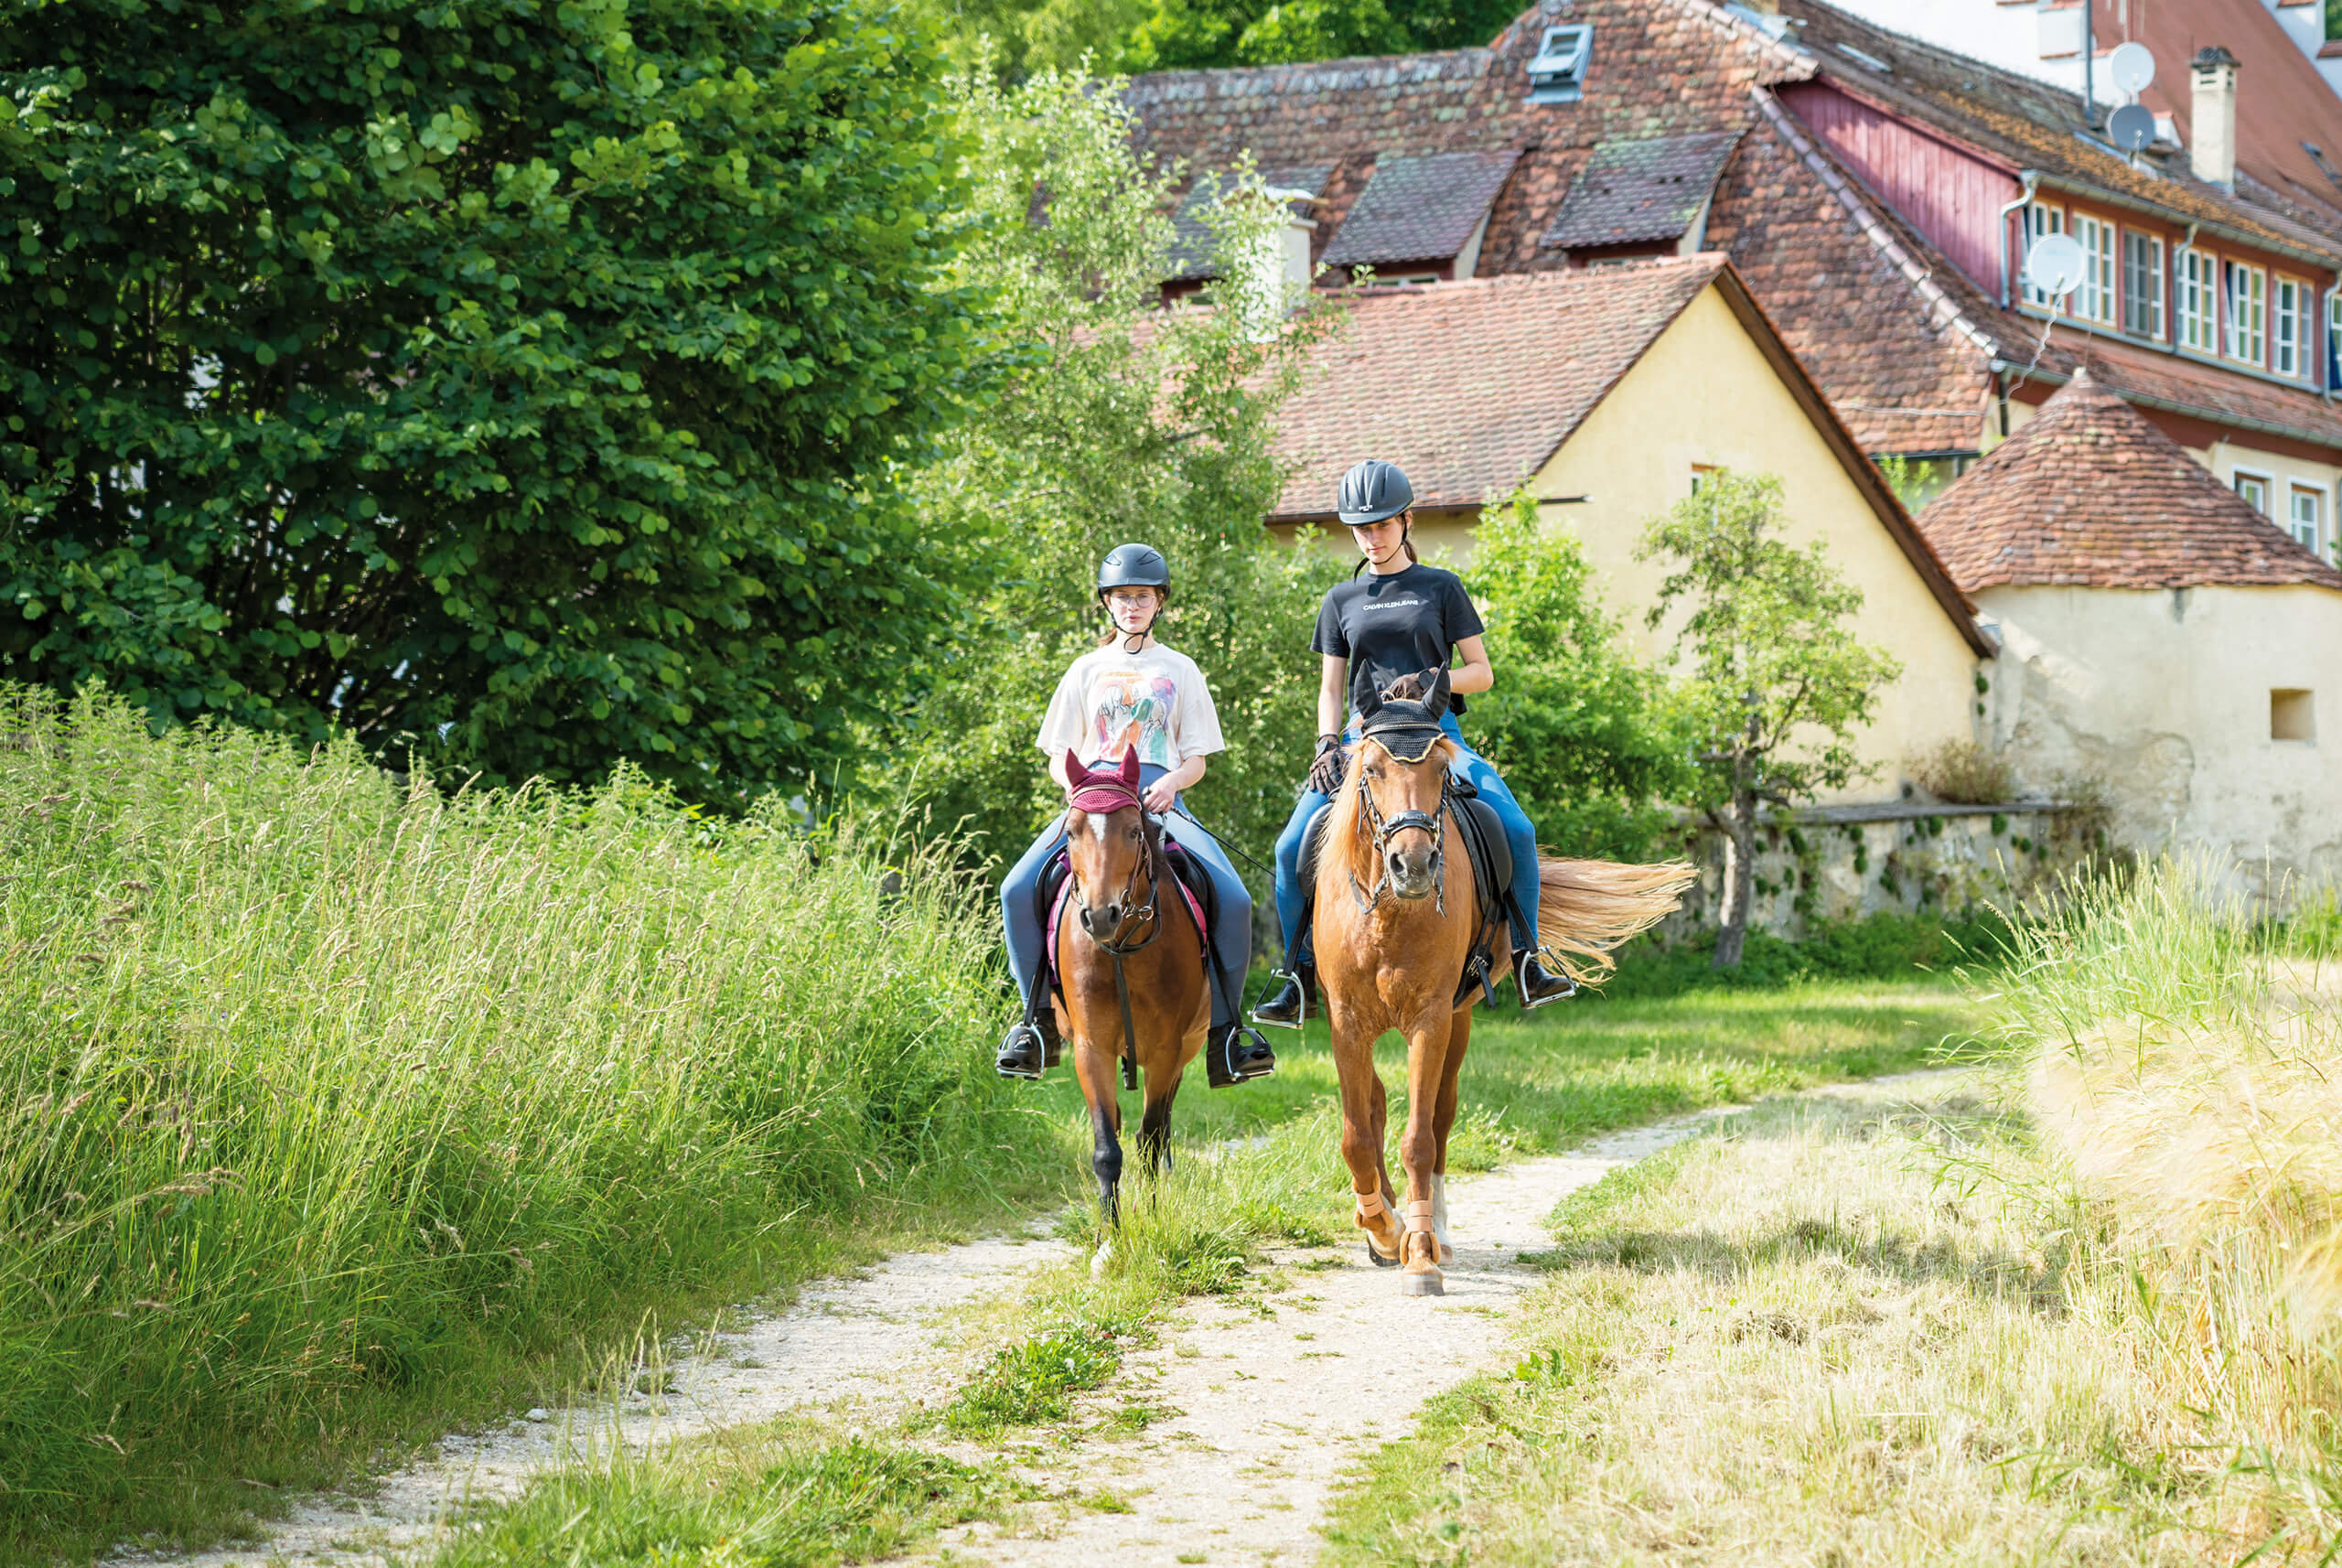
(1807, 1339)
(786, 1498)
(332, 1112)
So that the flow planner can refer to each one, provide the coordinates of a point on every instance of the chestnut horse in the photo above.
(1132, 991)
(1396, 910)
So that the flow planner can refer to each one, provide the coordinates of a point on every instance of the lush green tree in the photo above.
(1163, 34)
(1774, 681)
(1125, 421)
(1585, 733)
(524, 383)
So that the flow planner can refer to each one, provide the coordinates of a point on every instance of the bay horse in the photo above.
(1131, 988)
(1396, 912)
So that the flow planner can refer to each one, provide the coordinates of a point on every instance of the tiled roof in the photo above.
(1419, 208)
(2028, 123)
(1659, 69)
(1191, 237)
(1649, 189)
(2089, 494)
(1537, 353)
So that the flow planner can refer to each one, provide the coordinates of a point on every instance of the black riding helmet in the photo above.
(1134, 566)
(1372, 491)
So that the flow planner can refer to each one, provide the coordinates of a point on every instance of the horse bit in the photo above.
(1385, 829)
(1119, 951)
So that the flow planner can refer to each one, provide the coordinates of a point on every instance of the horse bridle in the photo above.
(1386, 828)
(1119, 947)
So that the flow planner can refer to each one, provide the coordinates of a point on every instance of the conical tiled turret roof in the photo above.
(2091, 494)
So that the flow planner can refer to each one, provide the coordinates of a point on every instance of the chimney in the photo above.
(2211, 120)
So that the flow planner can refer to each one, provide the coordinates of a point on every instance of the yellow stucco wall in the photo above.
(1704, 395)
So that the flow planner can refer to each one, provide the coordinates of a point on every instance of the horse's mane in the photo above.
(1348, 849)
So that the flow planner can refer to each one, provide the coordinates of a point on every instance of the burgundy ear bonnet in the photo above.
(1103, 790)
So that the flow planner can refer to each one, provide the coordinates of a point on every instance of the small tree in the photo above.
(1120, 420)
(1775, 682)
(1585, 732)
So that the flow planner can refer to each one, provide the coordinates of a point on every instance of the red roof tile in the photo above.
(2089, 493)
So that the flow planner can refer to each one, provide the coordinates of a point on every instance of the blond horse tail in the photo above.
(1585, 908)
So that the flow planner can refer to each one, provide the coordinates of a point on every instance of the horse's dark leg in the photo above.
(1154, 1133)
(1106, 1159)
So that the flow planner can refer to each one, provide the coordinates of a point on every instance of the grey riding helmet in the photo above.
(1372, 491)
(1134, 566)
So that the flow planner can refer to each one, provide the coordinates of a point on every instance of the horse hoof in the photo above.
(1105, 1255)
(1421, 1282)
(1446, 1254)
(1378, 1260)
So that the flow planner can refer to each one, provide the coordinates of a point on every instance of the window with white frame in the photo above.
(2253, 488)
(2142, 285)
(2248, 314)
(2306, 517)
(2289, 327)
(2040, 223)
(2199, 287)
(2094, 301)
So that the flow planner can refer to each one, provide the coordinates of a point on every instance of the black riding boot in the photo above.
(1234, 1053)
(1029, 1047)
(1538, 984)
(1293, 1002)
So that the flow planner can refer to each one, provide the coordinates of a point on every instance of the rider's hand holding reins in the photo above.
(1325, 773)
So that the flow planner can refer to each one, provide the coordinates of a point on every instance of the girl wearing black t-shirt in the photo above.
(1400, 617)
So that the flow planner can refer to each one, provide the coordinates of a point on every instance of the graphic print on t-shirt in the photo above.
(1129, 708)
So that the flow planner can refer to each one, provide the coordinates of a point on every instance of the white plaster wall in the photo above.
(2165, 696)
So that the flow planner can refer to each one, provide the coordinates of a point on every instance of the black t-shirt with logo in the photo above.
(1400, 625)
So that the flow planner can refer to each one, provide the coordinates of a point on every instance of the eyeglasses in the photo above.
(1132, 598)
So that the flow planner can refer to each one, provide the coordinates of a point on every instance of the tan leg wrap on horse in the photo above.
(1369, 1204)
(1419, 1214)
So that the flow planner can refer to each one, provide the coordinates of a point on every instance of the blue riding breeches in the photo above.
(1293, 899)
(1231, 927)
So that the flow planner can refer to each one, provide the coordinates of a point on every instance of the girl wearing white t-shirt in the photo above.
(1132, 692)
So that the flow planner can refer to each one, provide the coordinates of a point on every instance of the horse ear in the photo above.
(1436, 691)
(1076, 775)
(1371, 703)
(1129, 769)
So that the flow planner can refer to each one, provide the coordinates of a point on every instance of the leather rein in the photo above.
(1386, 828)
(1119, 945)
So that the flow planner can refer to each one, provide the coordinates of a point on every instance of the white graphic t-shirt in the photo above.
(1110, 701)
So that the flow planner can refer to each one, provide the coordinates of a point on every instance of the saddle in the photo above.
(1490, 854)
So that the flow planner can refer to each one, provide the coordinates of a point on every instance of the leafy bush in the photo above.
(515, 382)
(1965, 773)
(313, 1088)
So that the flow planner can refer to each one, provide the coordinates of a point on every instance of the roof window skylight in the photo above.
(1558, 73)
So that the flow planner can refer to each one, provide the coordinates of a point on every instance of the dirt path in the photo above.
(1270, 1408)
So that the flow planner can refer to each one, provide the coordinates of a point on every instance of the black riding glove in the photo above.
(1326, 773)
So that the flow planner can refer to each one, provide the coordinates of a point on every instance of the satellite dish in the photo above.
(2054, 266)
(2131, 66)
(2131, 127)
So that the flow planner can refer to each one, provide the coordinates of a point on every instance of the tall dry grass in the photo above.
(314, 1086)
(2190, 1070)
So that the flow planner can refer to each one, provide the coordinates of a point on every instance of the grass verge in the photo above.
(333, 1113)
(1812, 1338)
